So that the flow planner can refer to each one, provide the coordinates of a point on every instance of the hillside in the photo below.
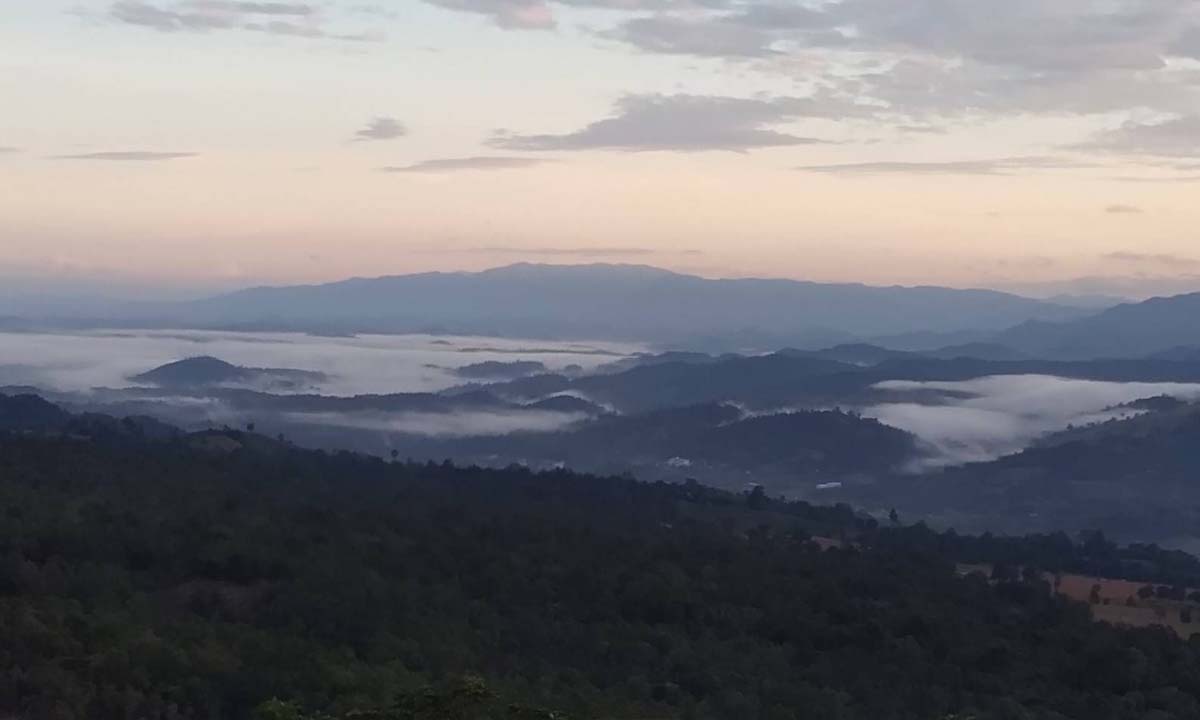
(190, 578)
(1156, 326)
(205, 370)
(1134, 478)
(31, 413)
(789, 452)
(496, 370)
(791, 379)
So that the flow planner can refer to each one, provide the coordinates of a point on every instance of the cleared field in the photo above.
(1118, 601)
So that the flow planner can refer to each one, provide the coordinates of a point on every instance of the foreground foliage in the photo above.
(228, 576)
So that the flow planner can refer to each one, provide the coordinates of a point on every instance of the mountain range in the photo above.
(615, 302)
(1156, 326)
(670, 311)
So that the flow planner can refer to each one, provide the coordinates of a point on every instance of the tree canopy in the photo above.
(226, 575)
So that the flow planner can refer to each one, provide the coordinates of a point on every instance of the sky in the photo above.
(194, 145)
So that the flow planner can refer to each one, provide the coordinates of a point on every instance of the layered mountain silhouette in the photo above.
(1162, 327)
(621, 302)
(860, 324)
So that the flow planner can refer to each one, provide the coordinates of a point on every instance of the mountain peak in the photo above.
(199, 370)
(207, 370)
(592, 270)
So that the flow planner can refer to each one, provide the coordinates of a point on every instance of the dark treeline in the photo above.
(205, 576)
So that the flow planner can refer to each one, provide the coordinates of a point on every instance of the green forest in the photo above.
(146, 574)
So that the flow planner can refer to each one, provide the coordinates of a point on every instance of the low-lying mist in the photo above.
(365, 364)
(459, 424)
(986, 418)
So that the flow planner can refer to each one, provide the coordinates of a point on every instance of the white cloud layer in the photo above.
(1001, 415)
(367, 364)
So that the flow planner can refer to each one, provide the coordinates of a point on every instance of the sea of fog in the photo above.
(362, 364)
(974, 420)
(990, 417)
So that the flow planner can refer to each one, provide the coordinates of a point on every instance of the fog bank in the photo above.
(365, 364)
(1004, 414)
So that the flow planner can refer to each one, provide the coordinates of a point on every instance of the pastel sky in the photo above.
(1030, 145)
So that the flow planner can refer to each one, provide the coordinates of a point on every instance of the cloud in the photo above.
(291, 29)
(1001, 166)
(128, 156)
(294, 9)
(923, 65)
(444, 165)
(930, 88)
(934, 60)
(201, 14)
(508, 14)
(927, 60)
(167, 20)
(689, 36)
(367, 365)
(569, 252)
(381, 128)
(1119, 209)
(761, 29)
(918, 64)
(462, 423)
(1063, 36)
(540, 14)
(1138, 282)
(295, 19)
(922, 129)
(1188, 44)
(680, 123)
(1158, 180)
(1152, 259)
(989, 417)
(1175, 138)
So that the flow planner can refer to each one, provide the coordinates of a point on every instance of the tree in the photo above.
(757, 498)
(470, 698)
(276, 709)
(1004, 572)
(189, 584)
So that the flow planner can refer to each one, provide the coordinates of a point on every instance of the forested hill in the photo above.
(200, 576)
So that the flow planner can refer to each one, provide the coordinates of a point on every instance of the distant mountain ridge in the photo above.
(671, 311)
(1150, 328)
(621, 302)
